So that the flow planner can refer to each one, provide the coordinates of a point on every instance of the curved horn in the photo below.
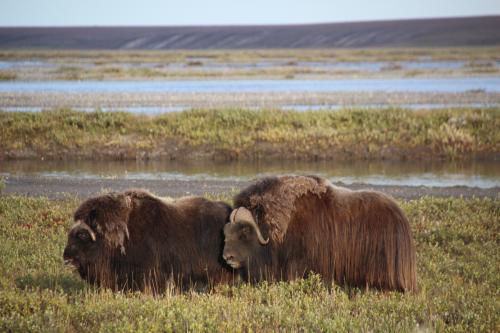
(83, 225)
(233, 214)
(244, 215)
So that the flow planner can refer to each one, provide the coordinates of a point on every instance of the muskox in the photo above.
(286, 227)
(137, 241)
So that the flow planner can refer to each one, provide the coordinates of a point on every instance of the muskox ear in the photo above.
(112, 219)
(116, 233)
(92, 220)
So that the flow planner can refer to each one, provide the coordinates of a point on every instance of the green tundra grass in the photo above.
(254, 134)
(458, 255)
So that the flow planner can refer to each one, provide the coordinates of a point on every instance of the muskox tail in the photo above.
(383, 247)
(405, 264)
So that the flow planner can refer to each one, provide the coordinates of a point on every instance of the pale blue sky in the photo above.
(223, 12)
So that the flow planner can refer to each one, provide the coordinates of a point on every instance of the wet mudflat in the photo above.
(56, 188)
(164, 102)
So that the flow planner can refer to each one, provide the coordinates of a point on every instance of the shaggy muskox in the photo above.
(137, 241)
(284, 228)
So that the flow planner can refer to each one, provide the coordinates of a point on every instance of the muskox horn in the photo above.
(80, 224)
(244, 215)
(233, 214)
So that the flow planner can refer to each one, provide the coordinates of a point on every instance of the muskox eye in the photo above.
(244, 233)
(83, 236)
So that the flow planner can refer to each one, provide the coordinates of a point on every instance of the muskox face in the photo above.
(100, 229)
(243, 240)
(82, 248)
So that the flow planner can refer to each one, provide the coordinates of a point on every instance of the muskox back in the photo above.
(151, 243)
(357, 238)
(181, 240)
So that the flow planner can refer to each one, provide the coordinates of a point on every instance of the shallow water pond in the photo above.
(441, 174)
(155, 110)
(450, 85)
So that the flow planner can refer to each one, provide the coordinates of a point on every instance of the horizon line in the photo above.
(253, 25)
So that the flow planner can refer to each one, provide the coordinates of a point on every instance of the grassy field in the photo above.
(458, 258)
(250, 135)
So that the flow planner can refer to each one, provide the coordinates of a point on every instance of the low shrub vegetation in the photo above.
(458, 258)
(254, 134)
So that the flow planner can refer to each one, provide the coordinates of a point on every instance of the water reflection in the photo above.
(155, 110)
(474, 174)
(207, 64)
(448, 85)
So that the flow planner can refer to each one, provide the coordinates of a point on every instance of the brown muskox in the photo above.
(284, 228)
(137, 241)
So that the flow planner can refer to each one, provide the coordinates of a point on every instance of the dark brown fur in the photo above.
(357, 238)
(178, 241)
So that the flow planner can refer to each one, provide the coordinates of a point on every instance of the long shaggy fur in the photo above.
(146, 243)
(357, 238)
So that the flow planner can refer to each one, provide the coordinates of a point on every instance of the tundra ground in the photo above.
(458, 256)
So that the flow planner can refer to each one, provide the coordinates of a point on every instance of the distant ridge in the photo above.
(468, 31)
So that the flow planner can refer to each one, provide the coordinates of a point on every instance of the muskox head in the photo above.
(243, 239)
(100, 230)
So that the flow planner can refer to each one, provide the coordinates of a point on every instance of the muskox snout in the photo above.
(228, 257)
(69, 255)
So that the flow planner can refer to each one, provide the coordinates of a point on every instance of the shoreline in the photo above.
(57, 188)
